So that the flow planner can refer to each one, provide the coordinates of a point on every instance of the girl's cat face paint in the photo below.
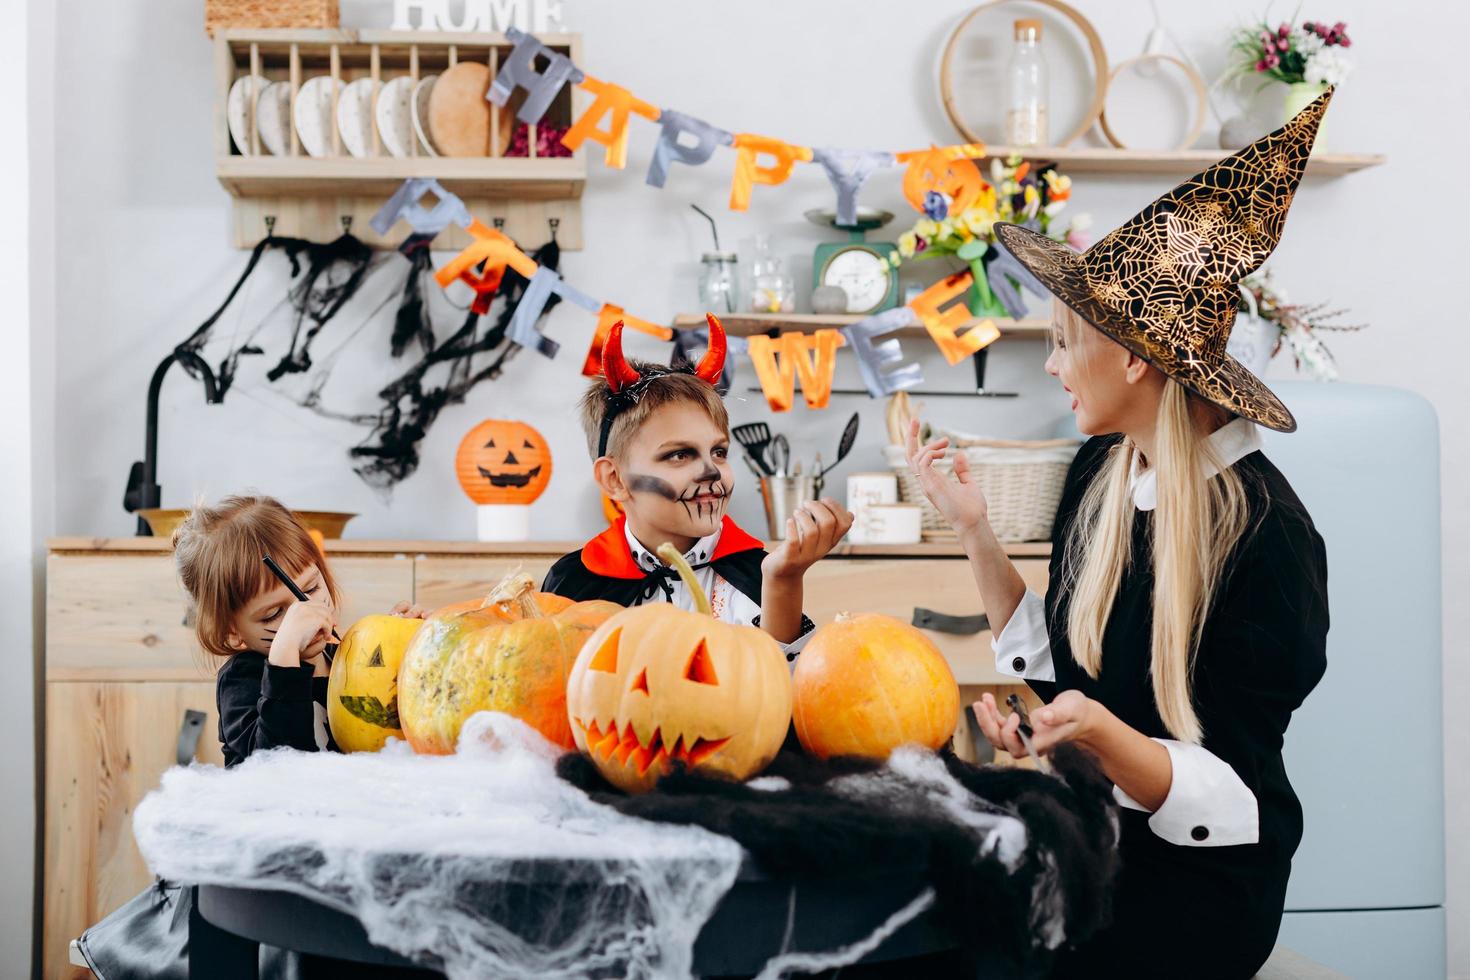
(678, 472)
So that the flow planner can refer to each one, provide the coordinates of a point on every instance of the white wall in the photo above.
(141, 223)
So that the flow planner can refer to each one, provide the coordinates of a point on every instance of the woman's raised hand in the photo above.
(959, 499)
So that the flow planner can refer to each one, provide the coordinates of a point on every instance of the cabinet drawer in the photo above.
(123, 617)
(440, 581)
(895, 586)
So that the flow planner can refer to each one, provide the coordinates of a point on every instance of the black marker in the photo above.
(280, 573)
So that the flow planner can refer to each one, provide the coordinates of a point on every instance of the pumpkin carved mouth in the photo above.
(625, 747)
(513, 480)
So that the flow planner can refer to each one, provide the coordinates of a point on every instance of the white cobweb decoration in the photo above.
(430, 853)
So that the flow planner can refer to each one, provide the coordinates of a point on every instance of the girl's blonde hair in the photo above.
(218, 552)
(1198, 521)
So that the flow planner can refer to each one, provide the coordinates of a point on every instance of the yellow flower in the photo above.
(927, 228)
(946, 229)
(906, 244)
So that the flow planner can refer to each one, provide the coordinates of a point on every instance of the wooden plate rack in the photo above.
(315, 197)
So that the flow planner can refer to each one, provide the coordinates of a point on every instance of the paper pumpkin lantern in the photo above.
(657, 685)
(362, 688)
(867, 684)
(503, 653)
(947, 170)
(503, 465)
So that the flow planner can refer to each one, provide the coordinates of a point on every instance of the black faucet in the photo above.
(143, 491)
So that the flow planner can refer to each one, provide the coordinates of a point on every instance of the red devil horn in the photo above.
(712, 364)
(618, 372)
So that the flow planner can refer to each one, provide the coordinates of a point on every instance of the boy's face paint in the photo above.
(677, 471)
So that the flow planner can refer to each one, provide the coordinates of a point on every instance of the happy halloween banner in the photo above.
(685, 139)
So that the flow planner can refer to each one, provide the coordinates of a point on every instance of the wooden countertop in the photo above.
(367, 546)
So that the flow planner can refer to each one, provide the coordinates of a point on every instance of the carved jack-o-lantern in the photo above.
(947, 169)
(501, 461)
(655, 684)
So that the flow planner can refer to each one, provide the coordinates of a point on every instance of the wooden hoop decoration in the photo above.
(1199, 99)
(1099, 61)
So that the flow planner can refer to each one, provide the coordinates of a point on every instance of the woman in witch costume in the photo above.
(1186, 615)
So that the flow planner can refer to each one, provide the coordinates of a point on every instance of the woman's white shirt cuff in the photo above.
(1023, 648)
(1208, 804)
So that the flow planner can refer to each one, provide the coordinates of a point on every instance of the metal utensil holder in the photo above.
(782, 495)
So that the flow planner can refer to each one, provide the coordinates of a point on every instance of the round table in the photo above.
(747, 928)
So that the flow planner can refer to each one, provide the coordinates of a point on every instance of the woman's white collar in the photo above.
(1231, 442)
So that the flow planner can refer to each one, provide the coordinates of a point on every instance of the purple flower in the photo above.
(920, 243)
(1283, 30)
(936, 206)
(1343, 40)
(1261, 65)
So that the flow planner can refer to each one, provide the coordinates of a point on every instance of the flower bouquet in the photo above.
(1018, 191)
(1308, 59)
(1268, 322)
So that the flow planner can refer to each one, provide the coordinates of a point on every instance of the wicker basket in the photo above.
(269, 13)
(1022, 483)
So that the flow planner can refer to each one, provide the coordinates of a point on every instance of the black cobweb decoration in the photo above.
(410, 406)
(324, 278)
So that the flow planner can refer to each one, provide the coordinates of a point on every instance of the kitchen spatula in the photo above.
(754, 437)
(844, 446)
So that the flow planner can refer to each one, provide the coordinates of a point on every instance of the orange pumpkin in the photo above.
(865, 685)
(657, 684)
(501, 461)
(505, 653)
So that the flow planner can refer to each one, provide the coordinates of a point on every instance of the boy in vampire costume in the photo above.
(660, 443)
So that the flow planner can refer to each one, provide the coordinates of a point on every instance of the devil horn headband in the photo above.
(622, 376)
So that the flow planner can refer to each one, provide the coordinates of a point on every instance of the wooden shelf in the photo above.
(518, 178)
(746, 324)
(1183, 163)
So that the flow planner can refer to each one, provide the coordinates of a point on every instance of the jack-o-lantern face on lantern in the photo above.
(947, 169)
(503, 462)
(655, 684)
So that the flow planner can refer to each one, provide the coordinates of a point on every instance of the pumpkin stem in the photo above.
(519, 590)
(676, 561)
(842, 617)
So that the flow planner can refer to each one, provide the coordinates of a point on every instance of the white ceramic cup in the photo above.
(893, 524)
(863, 491)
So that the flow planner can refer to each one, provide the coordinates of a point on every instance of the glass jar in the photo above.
(1026, 88)
(719, 282)
(771, 289)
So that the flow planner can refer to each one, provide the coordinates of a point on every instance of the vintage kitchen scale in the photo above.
(860, 268)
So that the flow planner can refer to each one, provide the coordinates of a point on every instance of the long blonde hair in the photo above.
(1197, 523)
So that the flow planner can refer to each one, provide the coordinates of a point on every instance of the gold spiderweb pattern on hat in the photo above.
(1165, 283)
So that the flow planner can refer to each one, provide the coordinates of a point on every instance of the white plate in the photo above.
(273, 118)
(314, 115)
(420, 106)
(395, 116)
(355, 117)
(239, 109)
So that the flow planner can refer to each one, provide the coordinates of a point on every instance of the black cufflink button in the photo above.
(1200, 833)
(1019, 664)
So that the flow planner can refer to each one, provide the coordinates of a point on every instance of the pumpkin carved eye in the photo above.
(701, 668)
(641, 683)
(606, 657)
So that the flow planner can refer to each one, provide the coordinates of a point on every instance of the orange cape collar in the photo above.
(608, 554)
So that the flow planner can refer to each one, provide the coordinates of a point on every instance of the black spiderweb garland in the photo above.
(391, 451)
(324, 278)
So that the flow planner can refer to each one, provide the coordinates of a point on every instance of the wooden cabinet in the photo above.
(122, 668)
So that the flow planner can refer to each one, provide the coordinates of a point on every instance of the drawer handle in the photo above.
(189, 731)
(945, 623)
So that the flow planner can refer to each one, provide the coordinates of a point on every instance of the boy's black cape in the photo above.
(605, 569)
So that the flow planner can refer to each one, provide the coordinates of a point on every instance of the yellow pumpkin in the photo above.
(362, 687)
(865, 685)
(657, 684)
(505, 653)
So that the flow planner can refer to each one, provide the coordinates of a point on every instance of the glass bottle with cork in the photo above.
(1026, 88)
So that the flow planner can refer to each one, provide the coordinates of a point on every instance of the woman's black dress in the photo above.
(1201, 911)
